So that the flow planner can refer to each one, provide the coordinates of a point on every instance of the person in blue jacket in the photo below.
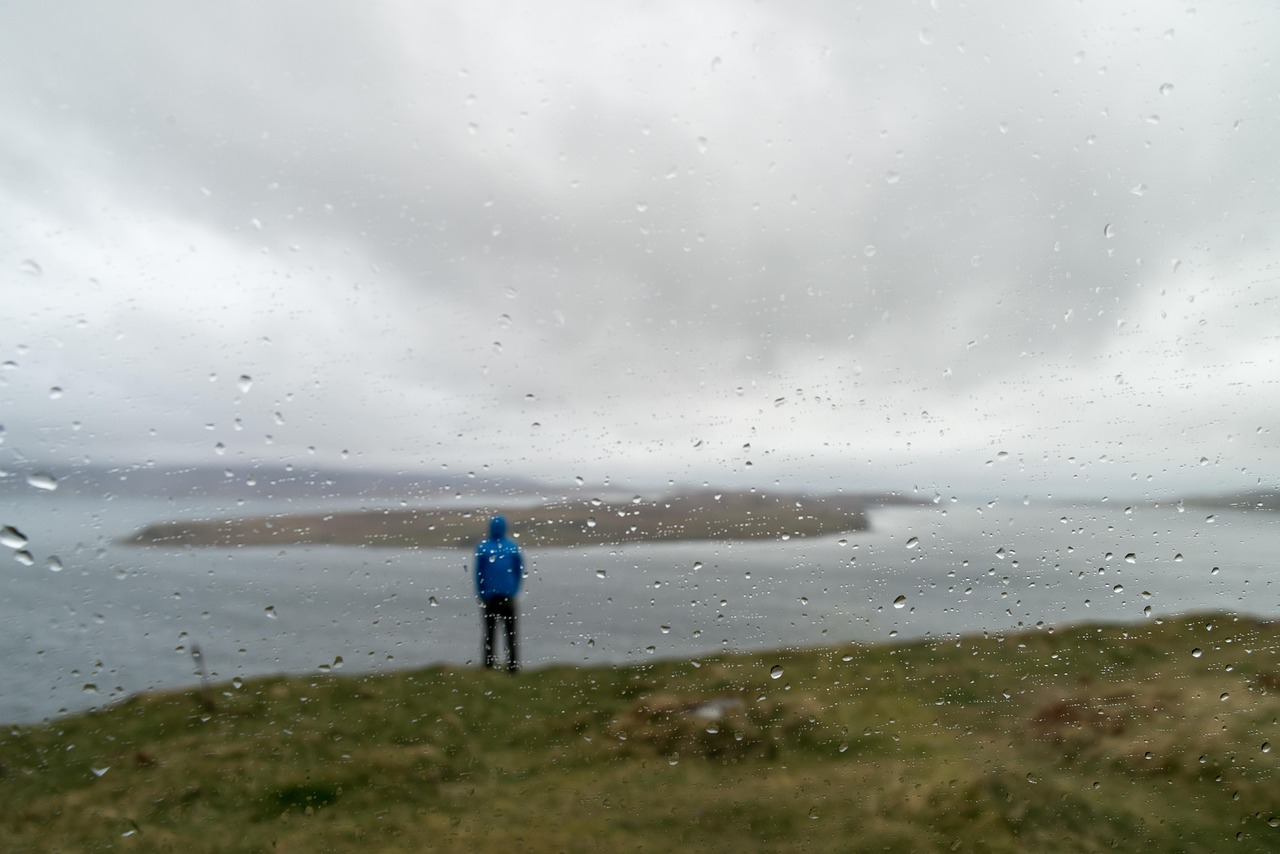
(499, 571)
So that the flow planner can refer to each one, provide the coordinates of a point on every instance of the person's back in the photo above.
(499, 569)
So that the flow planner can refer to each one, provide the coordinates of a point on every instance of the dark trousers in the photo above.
(492, 610)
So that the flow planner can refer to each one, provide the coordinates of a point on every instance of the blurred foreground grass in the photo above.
(1156, 736)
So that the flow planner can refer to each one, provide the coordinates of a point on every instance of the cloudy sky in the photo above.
(1027, 248)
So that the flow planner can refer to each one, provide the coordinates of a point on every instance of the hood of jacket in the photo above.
(497, 527)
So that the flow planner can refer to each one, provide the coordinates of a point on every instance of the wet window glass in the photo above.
(848, 426)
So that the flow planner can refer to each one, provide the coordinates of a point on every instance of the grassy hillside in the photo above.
(1154, 737)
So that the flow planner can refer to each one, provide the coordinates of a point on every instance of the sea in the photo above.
(89, 621)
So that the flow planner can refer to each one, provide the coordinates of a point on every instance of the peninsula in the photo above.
(686, 516)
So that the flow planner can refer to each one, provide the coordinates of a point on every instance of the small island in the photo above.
(686, 516)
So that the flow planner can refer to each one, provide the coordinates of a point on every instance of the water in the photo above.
(90, 622)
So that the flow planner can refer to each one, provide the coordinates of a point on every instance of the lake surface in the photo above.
(88, 622)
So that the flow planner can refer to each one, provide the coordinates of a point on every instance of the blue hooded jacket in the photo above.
(499, 566)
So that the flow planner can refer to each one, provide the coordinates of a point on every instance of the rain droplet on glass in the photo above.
(12, 537)
(42, 480)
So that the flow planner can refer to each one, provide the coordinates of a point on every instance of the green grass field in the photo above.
(1155, 737)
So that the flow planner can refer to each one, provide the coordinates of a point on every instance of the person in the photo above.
(498, 573)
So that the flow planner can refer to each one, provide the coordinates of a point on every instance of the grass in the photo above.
(1080, 739)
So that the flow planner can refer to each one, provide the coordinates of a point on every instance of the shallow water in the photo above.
(115, 620)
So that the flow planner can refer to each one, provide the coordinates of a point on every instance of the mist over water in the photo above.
(89, 622)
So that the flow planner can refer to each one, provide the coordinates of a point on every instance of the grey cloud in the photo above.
(645, 226)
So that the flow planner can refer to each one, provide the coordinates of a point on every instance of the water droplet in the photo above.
(591, 522)
(30, 267)
(24, 557)
(892, 177)
(41, 480)
(926, 37)
(1197, 652)
(665, 629)
(600, 573)
(913, 542)
(869, 250)
(697, 565)
(1225, 696)
(98, 772)
(900, 602)
(1119, 588)
(12, 537)
(1213, 571)
(775, 672)
(715, 63)
(244, 383)
(1108, 230)
(650, 649)
(642, 206)
(55, 392)
(1131, 558)
(433, 602)
(270, 612)
(53, 564)
(702, 145)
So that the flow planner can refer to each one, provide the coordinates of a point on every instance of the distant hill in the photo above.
(1255, 499)
(262, 481)
(688, 516)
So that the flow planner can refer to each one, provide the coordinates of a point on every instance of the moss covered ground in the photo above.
(1155, 736)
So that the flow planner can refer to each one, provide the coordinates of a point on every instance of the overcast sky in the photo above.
(1015, 247)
